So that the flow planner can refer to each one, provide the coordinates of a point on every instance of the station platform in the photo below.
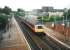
(13, 39)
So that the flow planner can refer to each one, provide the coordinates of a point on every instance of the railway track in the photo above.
(47, 41)
(53, 44)
(28, 37)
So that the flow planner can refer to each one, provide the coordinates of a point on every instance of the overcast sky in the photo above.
(34, 4)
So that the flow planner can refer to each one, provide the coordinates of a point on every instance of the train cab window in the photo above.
(40, 27)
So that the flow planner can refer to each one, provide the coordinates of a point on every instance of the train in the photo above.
(35, 24)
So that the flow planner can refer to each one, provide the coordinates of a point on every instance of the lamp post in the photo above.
(54, 20)
(42, 19)
(66, 34)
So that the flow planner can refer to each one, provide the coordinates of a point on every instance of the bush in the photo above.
(45, 18)
(3, 19)
(51, 19)
(57, 18)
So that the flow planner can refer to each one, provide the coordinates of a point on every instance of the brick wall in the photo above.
(61, 29)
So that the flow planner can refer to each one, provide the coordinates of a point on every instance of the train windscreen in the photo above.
(40, 27)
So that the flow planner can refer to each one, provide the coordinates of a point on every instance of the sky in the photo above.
(29, 5)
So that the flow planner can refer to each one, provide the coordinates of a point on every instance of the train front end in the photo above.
(39, 28)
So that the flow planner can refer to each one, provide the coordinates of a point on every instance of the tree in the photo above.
(4, 12)
(20, 12)
(7, 10)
